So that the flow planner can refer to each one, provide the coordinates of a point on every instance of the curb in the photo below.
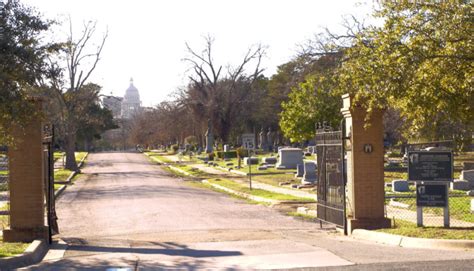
(58, 192)
(33, 254)
(238, 172)
(412, 242)
(241, 194)
(179, 170)
(82, 160)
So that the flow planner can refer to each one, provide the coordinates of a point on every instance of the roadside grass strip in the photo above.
(11, 249)
(61, 175)
(257, 192)
(79, 156)
(158, 157)
(303, 216)
(405, 228)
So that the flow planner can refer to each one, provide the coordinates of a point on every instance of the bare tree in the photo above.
(216, 94)
(81, 61)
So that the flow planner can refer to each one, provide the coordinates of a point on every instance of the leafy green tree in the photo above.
(23, 63)
(311, 102)
(421, 62)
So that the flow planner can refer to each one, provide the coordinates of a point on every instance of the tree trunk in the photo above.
(70, 152)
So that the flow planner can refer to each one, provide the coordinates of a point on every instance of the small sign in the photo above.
(430, 166)
(248, 141)
(368, 148)
(431, 195)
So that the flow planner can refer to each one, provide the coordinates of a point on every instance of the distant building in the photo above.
(131, 103)
(114, 104)
(126, 107)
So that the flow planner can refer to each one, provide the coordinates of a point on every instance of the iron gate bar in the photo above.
(332, 186)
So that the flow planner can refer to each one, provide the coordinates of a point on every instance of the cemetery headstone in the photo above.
(309, 176)
(468, 175)
(289, 158)
(251, 161)
(226, 148)
(270, 140)
(299, 171)
(209, 137)
(468, 165)
(460, 185)
(270, 160)
(263, 140)
(400, 186)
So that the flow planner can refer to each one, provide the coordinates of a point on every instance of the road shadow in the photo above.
(83, 256)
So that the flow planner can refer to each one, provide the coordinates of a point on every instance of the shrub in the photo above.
(211, 156)
(191, 140)
(174, 148)
(226, 154)
(241, 152)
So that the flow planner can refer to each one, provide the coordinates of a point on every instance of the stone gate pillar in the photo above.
(27, 191)
(365, 168)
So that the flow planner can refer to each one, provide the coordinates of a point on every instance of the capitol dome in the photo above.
(131, 103)
(131, 94)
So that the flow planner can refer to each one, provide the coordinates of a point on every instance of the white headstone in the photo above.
(400, 186)
(289, 158)
(309, 176)
(226, 148)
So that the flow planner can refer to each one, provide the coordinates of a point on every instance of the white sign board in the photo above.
(248, 141)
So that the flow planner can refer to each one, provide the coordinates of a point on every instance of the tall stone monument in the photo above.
(365, 168)
(209, 137)
(262, 140)
(270, 139)
(27, 183)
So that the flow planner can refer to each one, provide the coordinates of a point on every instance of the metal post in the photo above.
(446, 208)
(344, 177)
(419, 216)
(250, 169)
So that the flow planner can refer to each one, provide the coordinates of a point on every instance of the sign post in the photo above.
(432, 171)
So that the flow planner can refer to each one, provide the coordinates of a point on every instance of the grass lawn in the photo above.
(257, 192)
(11, 249)
(57, 155)
(79, 156)
(62, 175)
(270, 176)
(410, 229)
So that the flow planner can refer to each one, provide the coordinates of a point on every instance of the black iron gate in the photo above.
(48, 152)
(331, 177)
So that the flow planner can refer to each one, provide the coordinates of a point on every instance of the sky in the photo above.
(146, 39)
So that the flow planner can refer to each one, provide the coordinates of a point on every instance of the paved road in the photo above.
(128, 213)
